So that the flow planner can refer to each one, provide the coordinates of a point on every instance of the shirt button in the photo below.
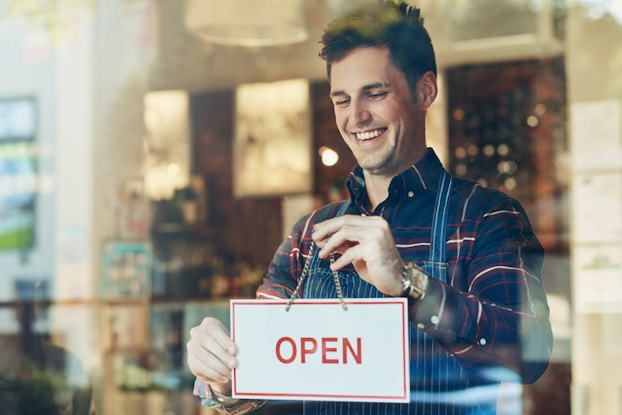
(411, 193)
(421, 326)
(434, 319)
(482, 341)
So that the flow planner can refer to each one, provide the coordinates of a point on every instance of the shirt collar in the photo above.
(422, 175)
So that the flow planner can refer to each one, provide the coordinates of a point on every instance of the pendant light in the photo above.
(247, 22)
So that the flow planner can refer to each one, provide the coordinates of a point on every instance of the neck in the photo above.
(377, 185)
(377, 189)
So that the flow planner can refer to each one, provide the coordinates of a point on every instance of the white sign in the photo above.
(318, 351)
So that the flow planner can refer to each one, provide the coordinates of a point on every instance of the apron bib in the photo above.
(439, 384)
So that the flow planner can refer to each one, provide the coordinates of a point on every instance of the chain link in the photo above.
(305, 272)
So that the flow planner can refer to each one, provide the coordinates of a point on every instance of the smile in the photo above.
(368, 135)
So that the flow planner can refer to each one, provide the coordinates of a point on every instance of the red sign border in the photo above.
(301, 396)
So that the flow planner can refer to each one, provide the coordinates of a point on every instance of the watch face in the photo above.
(419, 281)
(415, 281)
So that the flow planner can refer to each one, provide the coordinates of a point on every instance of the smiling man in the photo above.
(464, 256)
(375, 113)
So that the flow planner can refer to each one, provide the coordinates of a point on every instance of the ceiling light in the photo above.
(248, 22)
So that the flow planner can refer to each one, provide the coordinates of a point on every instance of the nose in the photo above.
(359, 113)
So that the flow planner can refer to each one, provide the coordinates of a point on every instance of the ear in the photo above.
(427, 89)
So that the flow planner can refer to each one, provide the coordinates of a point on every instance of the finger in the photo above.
(207, 367)
(217, 331)
(206, 355)
(347, 257)
(339, 242)
(323, 230)
(350, 235)
(211, 352)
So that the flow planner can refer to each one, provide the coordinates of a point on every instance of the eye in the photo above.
(341, 102)
(377, 94)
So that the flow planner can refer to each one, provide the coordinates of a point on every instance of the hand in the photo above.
(365, 242)
(211, 355)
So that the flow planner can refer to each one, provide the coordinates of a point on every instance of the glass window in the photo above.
(120, 229)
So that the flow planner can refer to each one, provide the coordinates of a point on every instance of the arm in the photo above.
(495, 313)
(492, 314)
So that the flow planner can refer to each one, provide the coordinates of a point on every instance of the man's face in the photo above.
(375, 113)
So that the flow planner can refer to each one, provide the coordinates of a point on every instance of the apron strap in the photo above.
(438, 236)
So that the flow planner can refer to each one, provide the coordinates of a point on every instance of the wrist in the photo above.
(218, 400)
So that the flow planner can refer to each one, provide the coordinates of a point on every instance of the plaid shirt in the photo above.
(492, 312)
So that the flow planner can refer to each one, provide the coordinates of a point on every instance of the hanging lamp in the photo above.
(247, 22)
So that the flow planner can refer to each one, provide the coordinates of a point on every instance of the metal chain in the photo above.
(338, 285)
(305, 272)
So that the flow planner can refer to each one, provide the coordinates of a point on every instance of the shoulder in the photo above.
(494, 216)
(486, 200)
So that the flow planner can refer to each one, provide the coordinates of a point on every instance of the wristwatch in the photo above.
(415, 282)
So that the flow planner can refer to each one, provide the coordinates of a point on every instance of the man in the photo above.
(465, 256)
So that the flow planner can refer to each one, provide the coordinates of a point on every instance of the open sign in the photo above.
(318, 351)
(309, 346)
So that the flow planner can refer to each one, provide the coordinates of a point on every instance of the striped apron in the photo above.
(439, 383)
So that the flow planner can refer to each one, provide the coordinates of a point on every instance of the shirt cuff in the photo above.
(428, 312)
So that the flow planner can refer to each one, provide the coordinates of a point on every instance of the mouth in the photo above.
(368, 135)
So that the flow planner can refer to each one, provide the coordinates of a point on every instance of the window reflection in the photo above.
(39, 376)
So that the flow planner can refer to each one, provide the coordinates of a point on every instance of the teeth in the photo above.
(368, 135)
